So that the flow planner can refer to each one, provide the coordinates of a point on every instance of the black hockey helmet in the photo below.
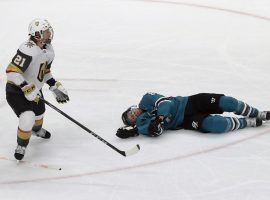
(124, 117)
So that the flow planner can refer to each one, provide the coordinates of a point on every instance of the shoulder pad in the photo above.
(21, 61)
(29, 48)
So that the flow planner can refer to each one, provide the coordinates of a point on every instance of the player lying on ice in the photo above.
(156, 113)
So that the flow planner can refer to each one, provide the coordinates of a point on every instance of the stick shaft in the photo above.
(83, 127)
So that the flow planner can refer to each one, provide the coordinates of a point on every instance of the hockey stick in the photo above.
(124, 153)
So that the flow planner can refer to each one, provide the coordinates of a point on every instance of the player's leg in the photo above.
(220, 124)
(204, 103)
(230, 104)
(194, 122)
(24, 132)
(23, 109)
(37, 130)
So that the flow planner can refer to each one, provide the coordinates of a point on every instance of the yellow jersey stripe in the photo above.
(39, 122)
(13, 68)
(24, 135)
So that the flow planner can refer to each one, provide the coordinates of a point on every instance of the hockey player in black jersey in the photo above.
(29, 69)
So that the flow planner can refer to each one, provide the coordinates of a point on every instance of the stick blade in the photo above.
(132, 151)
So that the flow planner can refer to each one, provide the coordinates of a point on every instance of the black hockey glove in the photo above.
(156, 127)
(127, 131)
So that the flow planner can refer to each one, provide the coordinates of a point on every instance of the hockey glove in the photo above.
(156, 127)
(31, 93)
(59, 92)
(127, 131)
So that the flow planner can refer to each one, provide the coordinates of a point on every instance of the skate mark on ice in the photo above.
(30, 164)
(149, 164)
(209, 8)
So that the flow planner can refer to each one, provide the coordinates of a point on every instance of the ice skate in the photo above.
(19, 152)
(254, 122)
(42, 133)
(264, 115)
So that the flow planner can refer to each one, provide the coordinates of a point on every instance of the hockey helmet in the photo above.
(125, 118)
(37, 27)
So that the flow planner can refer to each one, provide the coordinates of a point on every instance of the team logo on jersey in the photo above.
(37, 23)
(213, 100)
(29, 44)
(167, 119)
(195, 125)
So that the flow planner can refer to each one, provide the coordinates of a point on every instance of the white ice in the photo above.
(108, 54)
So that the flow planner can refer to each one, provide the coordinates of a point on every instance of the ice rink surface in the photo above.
(108, 54)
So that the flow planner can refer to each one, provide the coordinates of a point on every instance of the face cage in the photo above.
(132, 108)
(40, 34)
(52, 33)
(125, 115)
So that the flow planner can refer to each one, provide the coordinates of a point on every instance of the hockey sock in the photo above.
(230, 104)
(219, 124)
(24, 132)
(246, 110)
(38, 125)
(23, 137)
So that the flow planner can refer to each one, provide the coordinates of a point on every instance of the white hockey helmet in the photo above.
(37, 27)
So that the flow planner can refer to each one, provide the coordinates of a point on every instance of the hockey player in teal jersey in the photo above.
(156, 113)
